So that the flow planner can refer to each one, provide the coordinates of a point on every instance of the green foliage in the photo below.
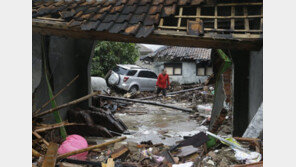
(108, 54)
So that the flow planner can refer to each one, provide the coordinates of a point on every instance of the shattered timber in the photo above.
(217, 122)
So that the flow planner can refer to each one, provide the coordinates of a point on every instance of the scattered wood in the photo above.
(44, 105)
(91, 147)
(39, 137)
(66, 105)
(146, 102)
(36, 153)
(51, 155)
(148, 146)
(172, 93)
(53, 126)
(119, 152)
(110, 163)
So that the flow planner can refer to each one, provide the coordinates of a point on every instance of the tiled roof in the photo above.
(181, 53)
(129, 17)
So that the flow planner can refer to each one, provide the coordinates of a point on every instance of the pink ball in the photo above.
(72, 143)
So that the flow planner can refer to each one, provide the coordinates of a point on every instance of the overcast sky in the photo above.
(153, 47)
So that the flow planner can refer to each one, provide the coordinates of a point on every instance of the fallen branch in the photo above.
(53, 126)
(39, 137)
(172, 93)
(44, 105)
(90, 148)
(147, 102)
(67, 104)
(36, 153)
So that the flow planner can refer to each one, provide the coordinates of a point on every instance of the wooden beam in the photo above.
(232, 21)
(51, 155)
(216, 20)
(180, 19)
(221, 17)
(158, 37)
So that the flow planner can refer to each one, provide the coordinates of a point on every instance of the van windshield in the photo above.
(120, 70)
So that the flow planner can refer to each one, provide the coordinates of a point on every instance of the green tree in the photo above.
(108, 54)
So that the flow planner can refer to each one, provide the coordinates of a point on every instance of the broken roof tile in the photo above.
(120, 2)
(196, 2)
(170, 2)
(129, 9)
(117, 27)
(45, 10)
(123, 18)
(151, 19)
(144, 31)
(105, 9)
(116, 9)
(155, 9)
(77, 15)
(90, 25)
(109, 2)
(131, 2)
(49, 3)
(59, 3)
(157, 2)
(142, 9)
(132, 29)
(144, 2)
(110, 17)
(104, 26)
(91, 10)
(168, 10)
(85, 16)
(73, 23)
(98, 16)
(81, 8)
(183, 2)
(67, 14)
(137, 18)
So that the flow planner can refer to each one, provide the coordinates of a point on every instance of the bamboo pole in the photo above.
(44, 105)
(36, 153)
(39, 137)
(90, 148)
(147, 102)
(66, 104)
(53, 126)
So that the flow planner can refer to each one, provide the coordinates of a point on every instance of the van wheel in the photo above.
(134, 89)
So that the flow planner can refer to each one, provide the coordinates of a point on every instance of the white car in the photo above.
(99, 84)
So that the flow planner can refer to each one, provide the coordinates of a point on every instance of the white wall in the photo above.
(188, 73)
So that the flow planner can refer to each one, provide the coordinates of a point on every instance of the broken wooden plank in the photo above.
(36, 153)
(172, 93)
(90, 148)
(67, 104)
(119, 152)
(44, 105)
(51, 155)
(147, 102)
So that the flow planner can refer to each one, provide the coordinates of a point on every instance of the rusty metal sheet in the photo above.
(168, 10)
(122, 18)
(170, 2)
(142, 9)
(117, 9)
(157, 2)
(196, 2)
(144, 31)
(195, 27)
(118, 27)
(132, 29)
(104, 26)
(110, 17)
(137, 18)
(151, 19)
(129, 9)
(98, 16)
(144, 2)
(155, 9)
(90, 25)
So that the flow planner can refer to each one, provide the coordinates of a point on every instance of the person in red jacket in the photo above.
(162, 82)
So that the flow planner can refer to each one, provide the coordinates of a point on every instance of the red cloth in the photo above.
(163, 81)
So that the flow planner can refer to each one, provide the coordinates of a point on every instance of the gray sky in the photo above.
(153, 47)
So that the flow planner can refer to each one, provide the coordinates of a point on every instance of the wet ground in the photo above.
(159, 124)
